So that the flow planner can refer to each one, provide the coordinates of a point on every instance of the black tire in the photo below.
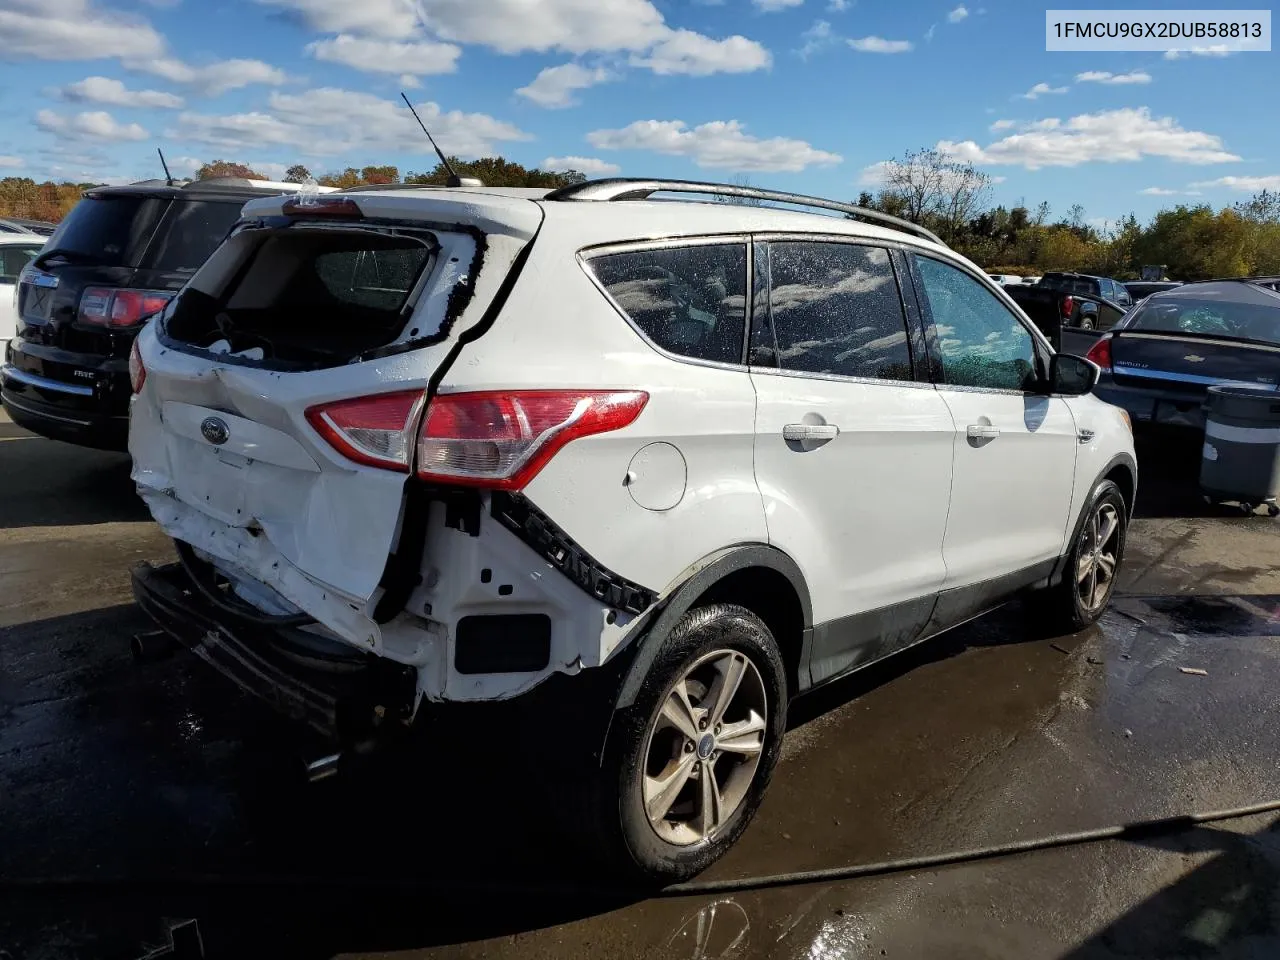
(635, 843)
(1088, 322)
(1059, 610)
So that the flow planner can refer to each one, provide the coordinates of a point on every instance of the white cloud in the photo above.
(958, 14)
(12, 163)
(928, 34)
(1159, 192)
(692, 54)
(72, 30)
(1215, 50)
(214, 78)
(94, 125)
(1039, 90)
(115, 93)
(721, 144)
(1113, 79)
(412, 58)
(880, 45)
(817, 37)
(773, 6)
(839, 6)
(1245, 184)
(1002, 125)
(554, 87)
(391, 19)
(329, 121)
(409, 81)
(1111, 136)
(592, 166)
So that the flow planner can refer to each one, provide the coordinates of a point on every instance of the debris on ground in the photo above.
(1194, 671)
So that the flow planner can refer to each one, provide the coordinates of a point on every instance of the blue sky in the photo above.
(804, 95)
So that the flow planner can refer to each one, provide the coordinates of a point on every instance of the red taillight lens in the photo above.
(109, 307)
(137, 372)
(501, 440)
(376, 431)
(1100, 352)
(1068, 304)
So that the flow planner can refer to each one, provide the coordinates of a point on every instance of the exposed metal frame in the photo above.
(624, 188)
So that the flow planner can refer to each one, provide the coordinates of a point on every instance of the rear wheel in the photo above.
(692, 757)
(1091, 568)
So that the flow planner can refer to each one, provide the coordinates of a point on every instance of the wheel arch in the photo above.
(1122, 470)
(757, 576)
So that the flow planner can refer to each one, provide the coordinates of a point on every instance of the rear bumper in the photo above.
(78, 398)
(1174, 410)
(354, 704)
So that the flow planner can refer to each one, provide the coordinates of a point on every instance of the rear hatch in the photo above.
(283, 387)
(1189, 364)
(116, 257)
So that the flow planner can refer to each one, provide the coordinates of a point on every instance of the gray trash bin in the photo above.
(1241, 459)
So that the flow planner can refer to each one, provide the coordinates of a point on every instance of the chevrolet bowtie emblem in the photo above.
(1193, 358)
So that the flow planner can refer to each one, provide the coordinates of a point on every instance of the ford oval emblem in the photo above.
(215, 430)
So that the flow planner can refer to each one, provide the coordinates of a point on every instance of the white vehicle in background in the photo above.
(16, 251)
(1031, 281)
(1004, 279)
(656, 465)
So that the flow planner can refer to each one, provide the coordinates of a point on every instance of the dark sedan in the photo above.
(1160, 360)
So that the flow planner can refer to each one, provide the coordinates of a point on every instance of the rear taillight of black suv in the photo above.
(120, 307)
(494, 439)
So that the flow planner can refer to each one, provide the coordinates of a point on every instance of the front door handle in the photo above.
(982, 431)
(810, 431)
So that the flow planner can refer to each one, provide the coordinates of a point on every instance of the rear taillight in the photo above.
(137, 372)
(1100, 352)
(376, 431)
(501, 440)
(1068, 305)
(111, 307)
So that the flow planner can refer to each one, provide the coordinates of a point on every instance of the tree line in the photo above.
(924, 186)
(1194, 241)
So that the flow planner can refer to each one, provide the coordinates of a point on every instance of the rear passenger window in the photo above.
(835, 309)
(690, 301)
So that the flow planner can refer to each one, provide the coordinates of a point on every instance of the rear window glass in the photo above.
(1071, 285)
(364, 273)
(110, 231)
(1217, 318)
(690, 301)
(13, 257)
(190, 232)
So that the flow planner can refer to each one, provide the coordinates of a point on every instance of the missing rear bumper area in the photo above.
(349, 698)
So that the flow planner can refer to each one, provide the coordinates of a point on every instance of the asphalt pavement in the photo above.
(133, 794)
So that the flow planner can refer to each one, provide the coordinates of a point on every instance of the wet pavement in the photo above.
(131, 793)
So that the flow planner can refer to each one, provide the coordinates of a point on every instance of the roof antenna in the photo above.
(167, 175)
(454, 180)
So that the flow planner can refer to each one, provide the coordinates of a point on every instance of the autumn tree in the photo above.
(297, 174)
(226, 168)
(496, 172)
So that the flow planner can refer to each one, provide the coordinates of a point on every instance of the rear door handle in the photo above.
(810, 431)
(982, 431)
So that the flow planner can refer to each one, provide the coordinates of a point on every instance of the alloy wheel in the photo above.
(703, 747)
(1097, 557)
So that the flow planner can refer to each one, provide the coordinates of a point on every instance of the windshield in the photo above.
(111, 230)
(190, 232)
(1217, 318)
(1071, 284)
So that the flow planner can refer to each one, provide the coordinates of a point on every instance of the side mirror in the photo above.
(1071, 376)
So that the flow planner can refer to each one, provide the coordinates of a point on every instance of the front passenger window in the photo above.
(981, 343)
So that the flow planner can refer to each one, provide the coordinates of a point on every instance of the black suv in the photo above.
(119, 256)
(1104, 287)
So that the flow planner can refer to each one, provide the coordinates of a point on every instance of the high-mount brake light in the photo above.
(376, 431)
(342, 207)
(501, 439)
(1100, 352)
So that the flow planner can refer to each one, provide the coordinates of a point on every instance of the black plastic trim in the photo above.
(842, 645)
(515, 512)
(502, 643)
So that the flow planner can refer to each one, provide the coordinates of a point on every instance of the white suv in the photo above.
(670, 463)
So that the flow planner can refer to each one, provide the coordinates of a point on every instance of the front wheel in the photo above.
(692, 757)
(1092, 566)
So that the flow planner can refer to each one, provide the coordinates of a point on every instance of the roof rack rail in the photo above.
(626, 188)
